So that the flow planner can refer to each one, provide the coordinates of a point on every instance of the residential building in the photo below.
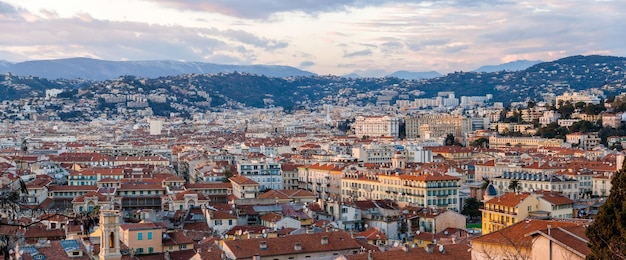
(243, 187)
(530, 182)
(265, 172)
(376, 126)
(143, 238)
(433, 126)
(513, 207)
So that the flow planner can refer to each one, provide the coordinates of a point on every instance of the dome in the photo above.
(491, 190)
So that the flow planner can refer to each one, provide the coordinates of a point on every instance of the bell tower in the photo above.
(110, 237)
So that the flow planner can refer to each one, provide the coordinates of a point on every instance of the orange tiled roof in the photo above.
(509, 199)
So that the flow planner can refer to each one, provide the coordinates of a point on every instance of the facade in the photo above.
(376, 126)
(528, 142)
(244, 188)
(513, 207)
(266, 173)
(437, 126)
(531, 182)
(575, 97)
(143, 238)
(426, 190)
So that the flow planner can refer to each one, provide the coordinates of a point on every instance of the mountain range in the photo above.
(93, 69)
(509, 66)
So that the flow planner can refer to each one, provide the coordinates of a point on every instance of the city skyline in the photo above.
(324, 37)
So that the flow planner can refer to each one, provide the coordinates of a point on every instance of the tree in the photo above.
(485, 183)
(607, 232)
(227, 175)
(480, 142)
(471, 208)
(449, 139)
(514, 185)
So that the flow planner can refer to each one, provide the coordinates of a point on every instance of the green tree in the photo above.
(227, 175)
(449, 139)
(471, 208)
(607, 232)
(566, 109)
(480, 142)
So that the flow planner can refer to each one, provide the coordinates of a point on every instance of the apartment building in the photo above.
(265, 171)
(435, 126)
(513, 207)
(376, 126)
(424, 190)
(530, 182)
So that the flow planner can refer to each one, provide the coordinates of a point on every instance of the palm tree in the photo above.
(485, 183)
(514, 185)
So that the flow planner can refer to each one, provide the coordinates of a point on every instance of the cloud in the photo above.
(365, 52)
(307, 63)
(261, 10)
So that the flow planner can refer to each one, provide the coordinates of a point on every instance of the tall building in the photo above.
(437, 126)
(376, 126)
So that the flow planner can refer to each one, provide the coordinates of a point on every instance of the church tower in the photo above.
(110, 237)
(398, 161)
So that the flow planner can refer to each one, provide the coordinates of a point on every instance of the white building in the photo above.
(375, 126)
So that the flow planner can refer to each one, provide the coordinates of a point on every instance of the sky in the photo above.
(370, 37)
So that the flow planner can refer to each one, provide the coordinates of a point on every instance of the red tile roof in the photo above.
(517, 234)
(509, 199)
(309, 243)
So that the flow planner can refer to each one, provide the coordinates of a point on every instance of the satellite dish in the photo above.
(440, 248)
(366, 225)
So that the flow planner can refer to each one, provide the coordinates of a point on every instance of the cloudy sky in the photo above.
(323, 36)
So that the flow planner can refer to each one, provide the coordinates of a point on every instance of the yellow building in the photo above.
(513, 207)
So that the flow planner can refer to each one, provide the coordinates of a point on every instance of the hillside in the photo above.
(190, 93)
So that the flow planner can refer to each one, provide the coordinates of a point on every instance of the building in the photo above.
(528, 142)
(143, 238)
(266, 173)
(376, 126)
(243, 187)
(513, 207)
(531, 182)
(435, 126)
(575, 97)
(517, 241)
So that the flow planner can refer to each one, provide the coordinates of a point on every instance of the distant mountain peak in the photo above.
(509, 66)
(94, 69)
(403, 74)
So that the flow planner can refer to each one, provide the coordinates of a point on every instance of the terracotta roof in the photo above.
(372, 233)
(509, 199)
(72, 188)
(239, 179)
(517, 234)
(573, 237)
(143, 226)
(555, 199)
(452, 251)
(181, 195)
(286, 194)
(309, 243)
(176, 238)
(272, 217)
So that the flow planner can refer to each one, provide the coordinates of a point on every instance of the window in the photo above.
(230, 222)
(140, 250)
(183, 246)
(150, 250)
(218, 222)
(139, 236)
(149, 235)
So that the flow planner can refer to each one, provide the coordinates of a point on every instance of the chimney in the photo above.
(256, 257)
(263, 245)
(549, 230)
(297, 246)
(325, 240)
(370, 256)
(429, 248)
